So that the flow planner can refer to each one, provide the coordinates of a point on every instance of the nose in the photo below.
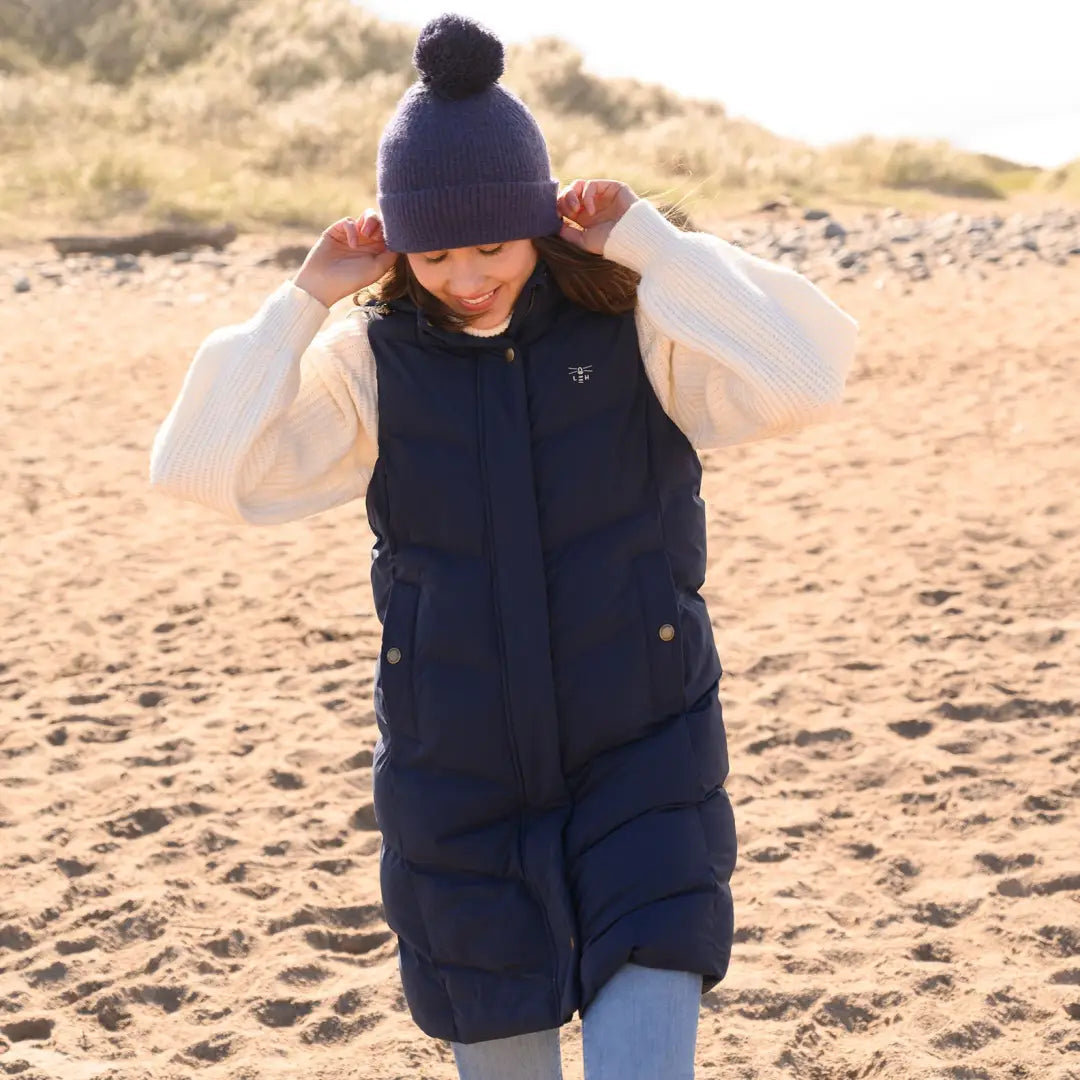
(468, 280)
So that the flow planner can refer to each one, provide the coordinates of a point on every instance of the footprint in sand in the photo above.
(364, 818)
(944, 915)
(773, 665)
(77, 945)
(333, 1029)
(167, 998)
(752, 934)
(911, 729)
(73, 868)
(1066, 977)
(55, 973)
(349, 918)
(858, 1012)
(1014, 887)
(111, 1011)
(760, 1004)
(899, 876)
(304, 975)
(337, 867)
(231, 946)
(932, 952)
(207, 1052)
(286, 781)
(29, 1029)
(349, 944)
(137, 823)
(170, 753)
(969, 1038)
(940, 984)
(15, 938)
(284, 1012)
(362, 759)
(1002, 864)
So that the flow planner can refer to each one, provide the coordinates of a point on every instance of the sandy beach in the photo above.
(187, 840)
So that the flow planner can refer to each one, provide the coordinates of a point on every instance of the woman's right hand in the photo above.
(349, 256)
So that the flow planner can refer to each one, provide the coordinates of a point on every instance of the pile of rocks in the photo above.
(888, 244)
(178, 277)
(892, 243)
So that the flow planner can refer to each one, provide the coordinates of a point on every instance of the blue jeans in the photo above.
(641, 1026)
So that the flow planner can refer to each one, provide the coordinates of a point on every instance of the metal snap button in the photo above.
(393, 656)
(509, 354)
(667, 632)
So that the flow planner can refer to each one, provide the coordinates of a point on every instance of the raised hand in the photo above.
(593, 207)
(349, 256)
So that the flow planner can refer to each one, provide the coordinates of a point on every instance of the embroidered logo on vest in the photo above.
(580, 374)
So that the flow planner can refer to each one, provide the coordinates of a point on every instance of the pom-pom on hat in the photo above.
(462, 162)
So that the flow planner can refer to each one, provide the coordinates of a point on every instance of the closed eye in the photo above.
(490, 251)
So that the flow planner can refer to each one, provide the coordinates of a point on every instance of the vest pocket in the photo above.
(397, 656)
(663, 633)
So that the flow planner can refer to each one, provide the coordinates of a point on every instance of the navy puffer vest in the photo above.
(548, 778)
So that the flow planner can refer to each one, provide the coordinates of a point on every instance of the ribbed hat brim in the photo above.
(469, 215)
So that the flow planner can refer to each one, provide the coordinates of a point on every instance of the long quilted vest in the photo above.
(548, 776)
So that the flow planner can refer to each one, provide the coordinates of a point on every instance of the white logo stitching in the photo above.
(580, 374)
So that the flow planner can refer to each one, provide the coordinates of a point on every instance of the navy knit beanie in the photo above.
(462, 162)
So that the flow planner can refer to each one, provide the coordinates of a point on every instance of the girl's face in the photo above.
(483, 281)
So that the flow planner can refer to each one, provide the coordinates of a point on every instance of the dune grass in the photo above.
(267, 113)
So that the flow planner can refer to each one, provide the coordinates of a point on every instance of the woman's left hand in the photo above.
(594, 206)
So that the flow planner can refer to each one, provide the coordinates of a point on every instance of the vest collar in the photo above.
(533, 309)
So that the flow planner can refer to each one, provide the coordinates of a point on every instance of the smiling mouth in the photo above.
(477, 301)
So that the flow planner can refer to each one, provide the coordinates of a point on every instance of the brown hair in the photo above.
(591, 281)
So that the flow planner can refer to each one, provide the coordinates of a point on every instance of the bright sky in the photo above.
(828, 70)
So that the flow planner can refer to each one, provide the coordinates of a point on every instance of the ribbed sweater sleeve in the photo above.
(737, 348)
(276, 421)
(273, 423)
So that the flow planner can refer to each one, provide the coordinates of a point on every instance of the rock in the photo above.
(210, 258)
(816, 215)
(126, 263)
(22, 284)
(182, 257)
(834, 230)
(290, 255)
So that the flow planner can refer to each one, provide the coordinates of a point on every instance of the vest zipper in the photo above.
(514, 756)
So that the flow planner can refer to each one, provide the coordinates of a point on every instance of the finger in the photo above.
(588, 197)
(574, 195)
(567, 204)
(351, 237)
(607, 191)
(371, 223)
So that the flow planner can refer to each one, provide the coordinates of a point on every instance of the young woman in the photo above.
(521, 409)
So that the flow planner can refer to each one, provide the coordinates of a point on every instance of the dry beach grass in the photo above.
(267, 113)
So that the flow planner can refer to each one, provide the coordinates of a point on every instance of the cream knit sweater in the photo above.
(274, 423)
